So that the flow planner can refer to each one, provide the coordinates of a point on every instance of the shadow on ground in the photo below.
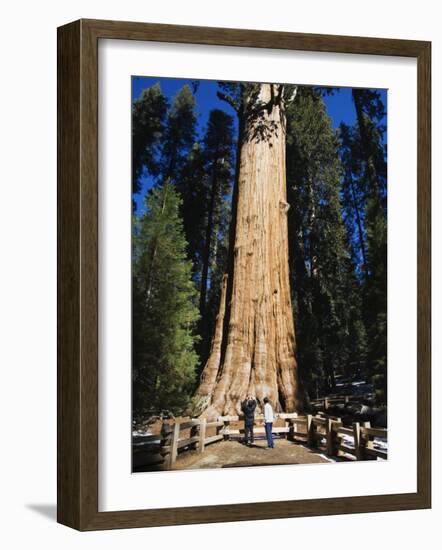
(245, 464)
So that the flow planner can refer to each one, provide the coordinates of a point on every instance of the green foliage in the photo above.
(192, 186)
(353, 197)
(179, 134)
(148, 114)
(365, 200)
(205, 186)
(196, 177)
(218, 145)
(326, 294)
(376, 295)
(164, 308)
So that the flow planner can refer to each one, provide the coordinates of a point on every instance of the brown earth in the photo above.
(229, 454)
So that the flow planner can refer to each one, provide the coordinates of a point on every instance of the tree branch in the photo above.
(228, 99)
(292, 97)
(280, 94)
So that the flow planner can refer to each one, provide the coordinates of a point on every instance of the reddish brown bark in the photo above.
(253, 349)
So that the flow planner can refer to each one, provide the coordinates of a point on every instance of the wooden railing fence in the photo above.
(322, 432)
(328, 433)
(172, 442)
(332, 400)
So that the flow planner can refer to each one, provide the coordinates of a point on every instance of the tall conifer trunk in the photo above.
(253, 348)
(208, 238)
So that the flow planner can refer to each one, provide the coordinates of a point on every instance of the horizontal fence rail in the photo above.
(332, 400)
(322, 432)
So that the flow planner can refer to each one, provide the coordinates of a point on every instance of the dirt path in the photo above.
(228, 454)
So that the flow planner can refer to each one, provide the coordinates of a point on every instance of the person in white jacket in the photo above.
(268, 422)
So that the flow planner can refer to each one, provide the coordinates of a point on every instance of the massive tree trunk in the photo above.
(253, 349)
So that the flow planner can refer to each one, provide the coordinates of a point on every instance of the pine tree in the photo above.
(218, 153)
(370, 112)
(148, 114)
(179, 135)
(192, 185)
(205, 183)
(326, 294)
(164, 308)
(182, 163)
(354, 197)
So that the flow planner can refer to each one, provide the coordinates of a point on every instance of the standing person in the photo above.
(248, 407)
(268, 422)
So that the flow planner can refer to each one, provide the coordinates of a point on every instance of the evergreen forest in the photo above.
(186, 149)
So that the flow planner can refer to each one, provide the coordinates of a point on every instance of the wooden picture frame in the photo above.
(78, 274)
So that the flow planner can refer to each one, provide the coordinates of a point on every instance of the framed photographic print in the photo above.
(244, 274)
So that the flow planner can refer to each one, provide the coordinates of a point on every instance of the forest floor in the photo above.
(230, 454)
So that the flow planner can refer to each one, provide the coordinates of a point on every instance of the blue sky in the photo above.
(339, 106)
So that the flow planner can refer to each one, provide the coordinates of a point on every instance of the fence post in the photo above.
(290, 423)
(174, 443)
(194, 431)
(310, 431)
(357, 438)
(325, 403)
(219, 429)
(365, 442)
(328, 435)
(226, 430)
(166, 440)
(336, 424)
(202, 440)
(331, 435)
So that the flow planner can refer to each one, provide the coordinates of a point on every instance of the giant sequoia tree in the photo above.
(253, 348)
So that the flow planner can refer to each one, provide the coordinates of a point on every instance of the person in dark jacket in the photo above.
(248, 407)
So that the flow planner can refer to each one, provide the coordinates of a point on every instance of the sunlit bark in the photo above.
(253, 348)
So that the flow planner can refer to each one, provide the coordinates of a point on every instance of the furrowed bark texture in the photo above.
(253, 349)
